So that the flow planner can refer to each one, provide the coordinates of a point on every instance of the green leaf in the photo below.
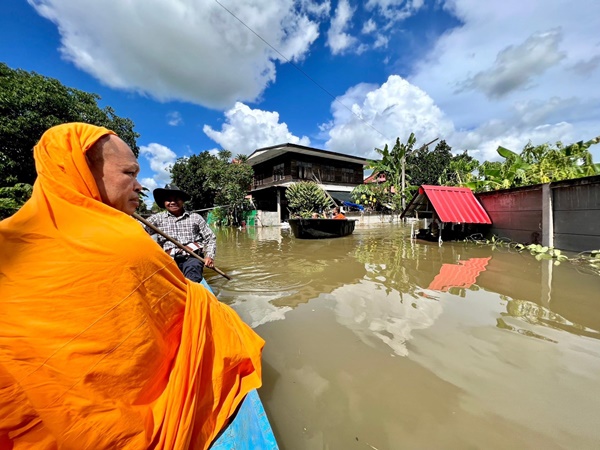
(506, 153)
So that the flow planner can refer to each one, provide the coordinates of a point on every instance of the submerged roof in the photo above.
(451, 204)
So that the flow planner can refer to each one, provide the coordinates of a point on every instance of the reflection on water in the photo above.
(384, 316)
(376, 340)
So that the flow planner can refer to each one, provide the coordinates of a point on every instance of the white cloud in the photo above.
(247, 129)
(369, 116)
(395, 10)
(174, 118)
(369, 26)
(381, 41)
(188, 50)
(150, 184)
(337, 39)
(587, 67)
(313, 7)
(510, 72)
(532, 70)
(516, 66)
(161, 159)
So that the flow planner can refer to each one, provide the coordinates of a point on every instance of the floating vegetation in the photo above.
(589, 260)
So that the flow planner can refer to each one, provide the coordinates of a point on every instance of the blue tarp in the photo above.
(353, 205)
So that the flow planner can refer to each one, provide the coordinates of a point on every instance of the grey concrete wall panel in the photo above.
(577, 222)
(576, 242)
(576, 205)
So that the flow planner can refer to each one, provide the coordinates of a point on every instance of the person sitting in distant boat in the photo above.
(104, 344)
(337, 214)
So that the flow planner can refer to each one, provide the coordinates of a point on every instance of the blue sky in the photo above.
(346, 76)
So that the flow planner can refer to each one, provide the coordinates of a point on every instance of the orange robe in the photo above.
(103, 342)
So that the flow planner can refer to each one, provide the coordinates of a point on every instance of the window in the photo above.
(278, 172)
(328, 173)
(347, 175)
(305, 171)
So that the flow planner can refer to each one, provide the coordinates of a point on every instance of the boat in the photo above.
(250, 428)
(321, 228)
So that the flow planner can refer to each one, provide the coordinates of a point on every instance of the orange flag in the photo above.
(103, 343)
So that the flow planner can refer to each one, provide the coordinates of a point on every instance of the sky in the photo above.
(347, 76)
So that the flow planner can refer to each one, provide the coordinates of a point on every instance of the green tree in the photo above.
(214, 181)
(12, 198)
(426, 167)
(30, 104)
(537, 164)
(372, 196)
(461, 170)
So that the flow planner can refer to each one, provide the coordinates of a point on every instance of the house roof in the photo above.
(264, 154)
(452, 204)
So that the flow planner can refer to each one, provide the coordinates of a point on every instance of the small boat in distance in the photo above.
(321, 228)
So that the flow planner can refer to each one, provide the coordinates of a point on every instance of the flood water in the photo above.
(376, 341)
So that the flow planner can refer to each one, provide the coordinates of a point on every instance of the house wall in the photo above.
(562, 215)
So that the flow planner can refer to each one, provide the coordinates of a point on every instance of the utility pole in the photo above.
(403, 182)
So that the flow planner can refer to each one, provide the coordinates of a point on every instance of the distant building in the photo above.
(277, 167)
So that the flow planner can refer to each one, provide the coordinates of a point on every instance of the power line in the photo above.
(301, 71)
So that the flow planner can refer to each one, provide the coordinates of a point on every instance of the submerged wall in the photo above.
(564, 214)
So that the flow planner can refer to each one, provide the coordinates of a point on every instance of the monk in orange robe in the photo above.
(104, 344)
(337, 214)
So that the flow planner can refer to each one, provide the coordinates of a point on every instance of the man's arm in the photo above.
(209, 241)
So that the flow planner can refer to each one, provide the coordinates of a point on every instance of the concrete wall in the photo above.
(564, 214)
(515, 213)
(576, 209)
(267, 219)
(372, 218)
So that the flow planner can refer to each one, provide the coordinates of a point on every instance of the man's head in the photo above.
(171, 198)
(336, 210)
(115, 170)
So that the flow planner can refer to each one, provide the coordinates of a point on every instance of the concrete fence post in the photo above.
(547, 216)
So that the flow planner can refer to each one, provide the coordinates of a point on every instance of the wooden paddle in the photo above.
(178, 244)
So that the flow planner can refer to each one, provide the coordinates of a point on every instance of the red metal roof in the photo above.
(455, 204)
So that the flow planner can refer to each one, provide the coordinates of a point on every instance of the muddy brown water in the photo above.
(376, 341)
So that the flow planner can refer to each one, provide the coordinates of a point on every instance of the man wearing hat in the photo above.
(188, 228)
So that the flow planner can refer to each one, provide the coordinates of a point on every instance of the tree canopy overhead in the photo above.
(32, 103)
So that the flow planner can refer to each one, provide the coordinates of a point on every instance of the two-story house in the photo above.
(277, 167)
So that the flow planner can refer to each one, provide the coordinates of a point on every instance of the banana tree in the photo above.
(391, 165)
